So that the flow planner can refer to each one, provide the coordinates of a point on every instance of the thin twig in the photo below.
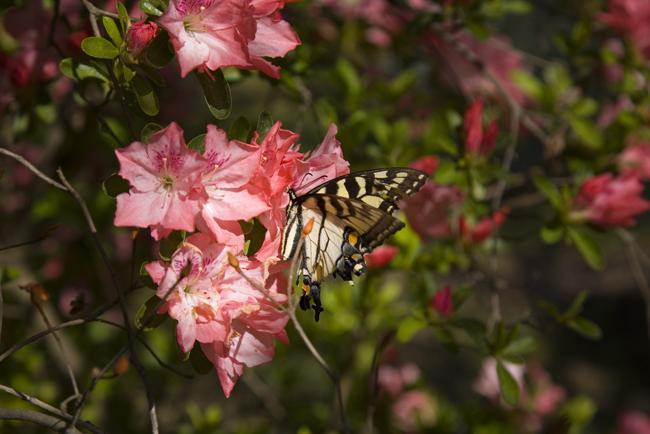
(28, 242)
(50, 422)
(33, 169)
(637, 272)
(64, 354)
(49, 408)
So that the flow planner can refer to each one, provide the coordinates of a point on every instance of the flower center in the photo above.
(167, 182)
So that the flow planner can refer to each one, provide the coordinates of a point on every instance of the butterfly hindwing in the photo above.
(351, 216)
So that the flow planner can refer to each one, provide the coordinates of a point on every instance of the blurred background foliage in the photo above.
(383, 72)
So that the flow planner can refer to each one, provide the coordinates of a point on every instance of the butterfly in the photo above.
(341, 220)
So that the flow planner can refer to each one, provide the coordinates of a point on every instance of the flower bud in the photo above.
(139, 36)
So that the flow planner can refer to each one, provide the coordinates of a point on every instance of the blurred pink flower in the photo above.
(427, 164)
(74, 301)
(414, 410)
(163, 175)
(635, 160)
(428, 211)
(633, 422)
(140, 35)
(496, 53)
(380, 256)
(477, 140)
(53, 268)
(632, 19)
(611, 110)
(442, 302)
(610, 202)
(209, 34)
(483, 229)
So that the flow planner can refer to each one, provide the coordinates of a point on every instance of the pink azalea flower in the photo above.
(633, 422)
(414, 411)
(140, 35)
(230, 170)
(632, 19)
(610, 202)
(381, 256)
(235, 322)
(478, 141)
(428, 211)
(635, 161)
(164, 192)
(495, 53)
(442, 302)
(427, 164)
(213, 34)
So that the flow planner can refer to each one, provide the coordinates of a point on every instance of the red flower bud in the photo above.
(139, 36)
(381, 256)
(442, 302)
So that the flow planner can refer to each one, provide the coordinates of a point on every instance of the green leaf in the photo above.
(585, 327)
(216, 92)
(146, 96)
(115, 185)
(409, 327)
(197, 143)
(199, 362)
(349, 77)
(264, 124)
(149, 8)
(125, 21)
(460, 295)
(446, 338)
(80, 71)
(254, 233)
(588, 248)
(147, 312)
(552, 234)
(148, 130)
(240, 129)
(507, 384)
(576, 305)
(549, 190)
(474, 328)
(527, 82)
(520, 347)
(159, 53)
(112, 30)
(100, 48)
(586, 131)
(170, 244)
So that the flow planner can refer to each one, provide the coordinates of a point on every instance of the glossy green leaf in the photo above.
(588, 247)
(549, 190)
(552, 234)
(150, 8)
(80, 71)
(146, 95)
(111, 29)
(409, 327)
(197, 143)
(100, 48)
(507, 384)
(216, 92)
(520, 347)
(147, 318)
(586, 131)
(148, 130)
(115, 185)
(585, 327)
(123, 15)
(160, 52)
(240, 130)
(264, 124)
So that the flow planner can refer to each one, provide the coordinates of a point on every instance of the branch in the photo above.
(33, 169)
(2, 306)
(62, 415)
(51, 422)
(120, 294)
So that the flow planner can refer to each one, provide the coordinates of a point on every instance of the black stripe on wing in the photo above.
(379, 188)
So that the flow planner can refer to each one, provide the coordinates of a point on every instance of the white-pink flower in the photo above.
(164, 192)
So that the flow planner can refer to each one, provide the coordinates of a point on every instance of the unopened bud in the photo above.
(139, 36)
(306, 230)
(233, 261)
(121, 365)
(37, 293)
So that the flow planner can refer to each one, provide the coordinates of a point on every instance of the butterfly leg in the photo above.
(305, 297)
(315, 294)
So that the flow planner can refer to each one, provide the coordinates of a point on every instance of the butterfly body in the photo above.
(351, 215)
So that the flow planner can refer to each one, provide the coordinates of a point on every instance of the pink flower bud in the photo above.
(381, 256)
(427, 164)
(140, 35)
(473, 125)
(442, 302)
(635, 160)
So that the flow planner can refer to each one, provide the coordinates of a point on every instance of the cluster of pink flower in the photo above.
(614, 201)
(632, 19)
(176, 188)
(209, 34)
